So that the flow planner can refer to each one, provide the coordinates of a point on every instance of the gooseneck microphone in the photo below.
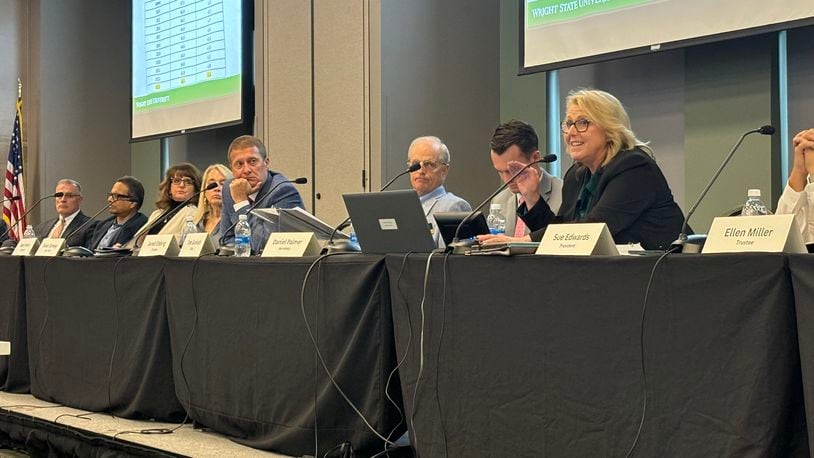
(300, 180)
(346, 222)
(56, 195)
(10, 199)
(544, 160)
(170, 212)
(683, 240)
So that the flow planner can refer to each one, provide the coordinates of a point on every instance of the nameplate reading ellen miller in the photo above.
(765, 233)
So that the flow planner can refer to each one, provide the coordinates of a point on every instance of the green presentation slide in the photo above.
(546, 12)
(183, 95)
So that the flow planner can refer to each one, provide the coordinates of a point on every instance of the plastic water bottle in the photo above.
(243, 237)
(754, 206)
(29, 233)
(496, 221)
(189, 228)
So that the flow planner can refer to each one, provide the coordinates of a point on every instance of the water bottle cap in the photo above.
(753, 193)
(495, 207)
(242, 217)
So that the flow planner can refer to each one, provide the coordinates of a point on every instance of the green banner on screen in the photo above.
(546, 12)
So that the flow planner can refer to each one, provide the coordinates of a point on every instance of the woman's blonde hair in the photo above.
(606, 112)
(204, 207)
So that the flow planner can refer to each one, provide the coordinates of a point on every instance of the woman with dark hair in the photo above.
(181, 182)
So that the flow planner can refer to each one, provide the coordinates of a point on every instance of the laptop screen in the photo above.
(389, 222)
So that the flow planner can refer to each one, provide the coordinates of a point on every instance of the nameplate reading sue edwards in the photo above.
(26, 247)
(159, 245)
(195, 245)
(737, 234)
(50, 247)
(580, 239)
(291, 245)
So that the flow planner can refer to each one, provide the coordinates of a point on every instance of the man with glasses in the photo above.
(69, 216)
(428, 181)
(125, 200)
(517, 141)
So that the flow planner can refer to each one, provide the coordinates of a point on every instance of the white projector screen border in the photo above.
(224, 95)
(563, 35)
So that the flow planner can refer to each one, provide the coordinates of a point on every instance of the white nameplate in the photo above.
(291, 245)
(195, 245)
(26, 247)
(737, 234)
(5, 348)
(159, 245)
(50, 247)
(579, 239)
(388, 224)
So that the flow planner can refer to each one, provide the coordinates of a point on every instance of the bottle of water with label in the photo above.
(243, 237)
(496, 221)
(189, 228)
(754, 206)
(29, 233)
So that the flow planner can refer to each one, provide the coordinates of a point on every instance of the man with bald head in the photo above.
(69, 216)
(428, 181)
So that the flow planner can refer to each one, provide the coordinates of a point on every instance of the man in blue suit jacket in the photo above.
(253, 180)
(428, 181)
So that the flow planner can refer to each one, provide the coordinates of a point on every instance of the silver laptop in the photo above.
(389, 222)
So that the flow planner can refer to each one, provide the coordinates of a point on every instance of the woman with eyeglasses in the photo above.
(210, 202)
(181, 182)
(614, 179)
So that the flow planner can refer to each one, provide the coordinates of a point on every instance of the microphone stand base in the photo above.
(692, 244)
(462, 246)
(342, 246)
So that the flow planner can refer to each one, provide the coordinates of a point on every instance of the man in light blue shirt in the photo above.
(428, 181)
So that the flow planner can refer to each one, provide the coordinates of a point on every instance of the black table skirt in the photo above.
(802, 280)
(13, 368)
(244, 364)
(540, 356)
(98, 337)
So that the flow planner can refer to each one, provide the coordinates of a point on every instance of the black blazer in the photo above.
(81, 238)
(125, 233)
(632, 198)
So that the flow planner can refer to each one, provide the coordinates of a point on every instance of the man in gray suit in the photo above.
(517, 141)
(428, 181)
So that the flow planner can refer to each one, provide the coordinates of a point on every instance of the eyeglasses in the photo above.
(580, 124)
(182, 181)
(115, 196)
(427, 165)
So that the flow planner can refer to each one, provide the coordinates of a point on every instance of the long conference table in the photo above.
(496, 356)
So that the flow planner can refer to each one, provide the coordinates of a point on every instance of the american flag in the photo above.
(14, 209)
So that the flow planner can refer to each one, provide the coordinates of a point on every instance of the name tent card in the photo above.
(766, 233)
(195, 245)
(50, 247)
(291, 245)
(577, 239)
(26, 247)
(159, 245)
(5, 348)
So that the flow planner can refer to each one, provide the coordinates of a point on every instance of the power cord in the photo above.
(421, 350)
(406, 351)
(641, 349)
(319, 353)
